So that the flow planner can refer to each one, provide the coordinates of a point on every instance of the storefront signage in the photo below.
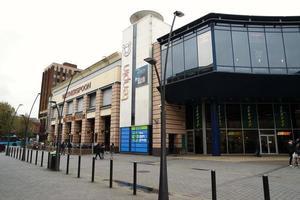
(68, 118)
(141, 76)
(79, 116)
(126, 49)
(134, 139)
(79, 90)
(126, 82)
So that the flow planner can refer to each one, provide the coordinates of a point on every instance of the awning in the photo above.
(233, 85)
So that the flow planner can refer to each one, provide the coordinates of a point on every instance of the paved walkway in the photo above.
(238, 177)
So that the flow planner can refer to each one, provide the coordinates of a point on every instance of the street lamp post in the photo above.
(26, 127)
(10, 126)
(163, 193)
(57, 137)
(59, 115)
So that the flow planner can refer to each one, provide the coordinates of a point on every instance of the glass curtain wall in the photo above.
(188, 55)
(257, 48)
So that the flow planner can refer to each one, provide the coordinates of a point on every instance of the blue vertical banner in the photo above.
(125, 139)
(140, 139)
(216, 150)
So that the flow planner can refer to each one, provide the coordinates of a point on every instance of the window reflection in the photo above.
(292, 49)
(240, 48)
(205, 49)
(190, 53)
(275, 50)
(258, 49)
(223, 48)
(178, 64)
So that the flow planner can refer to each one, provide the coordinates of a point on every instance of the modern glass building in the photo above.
(238, 78)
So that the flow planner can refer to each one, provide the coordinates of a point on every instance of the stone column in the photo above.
(115, 115)
(99, 122)
(63, 131)
(84, 136)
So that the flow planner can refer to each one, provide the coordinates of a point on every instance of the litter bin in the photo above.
(53, 160)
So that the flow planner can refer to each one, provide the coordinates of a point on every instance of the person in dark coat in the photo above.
(102, 149)
(291, 150)
(97, 151)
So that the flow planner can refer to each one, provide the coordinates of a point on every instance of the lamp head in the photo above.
(150, 60)
(54, 102)
(178, 13)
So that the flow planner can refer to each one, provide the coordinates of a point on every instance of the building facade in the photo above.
(91, 110)
(232, 84)
(52, 75)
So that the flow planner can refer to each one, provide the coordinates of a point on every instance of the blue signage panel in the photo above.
(125, 139)
(140, 139)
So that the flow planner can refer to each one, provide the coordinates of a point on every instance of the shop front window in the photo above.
(235, 141)
(233, 113)
(251, 141)
(265, 115)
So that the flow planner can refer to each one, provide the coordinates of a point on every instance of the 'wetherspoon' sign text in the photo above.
(78, 90)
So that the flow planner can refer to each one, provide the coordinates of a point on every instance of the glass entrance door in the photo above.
(268, 144)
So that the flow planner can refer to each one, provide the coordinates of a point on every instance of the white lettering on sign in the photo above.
(126, 82)
(78, 90)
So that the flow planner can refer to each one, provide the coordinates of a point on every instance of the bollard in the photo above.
(31, 156)
(24, 154)
(266, 187)
(20, 155)
(213, 185)
(36, 156)
(48, 166)
(111, 173)
(93, 169)
(134, 178)
(27, 155)
(78, 169)
(17, 155)
(14, 155)
(68, 160)
(42, 159)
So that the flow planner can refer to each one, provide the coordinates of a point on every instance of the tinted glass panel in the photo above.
(205, 49)
(251, 141)
(282, 116)
(190, 53)
(235, 141)
(265, 115)
(223, 48)
(241, 48)
(275, 50)
(249, 116)
(178, 64)
(233, 113)
(169, 63)
(258, 49)
(292, 49)
(189, 117)
(197, 116)
(295, 111)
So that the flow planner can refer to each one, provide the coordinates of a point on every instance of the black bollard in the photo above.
(14, 155)
(20, 155)
(93, 169)
(78, 169)
(42, 159)
(31, 156)
(266, 187)
(12, 151)
(68, 160)
(134, 178)
(111, 173)
(36, 156)
(48, 163)
(213, 185)
(27, 155)
(17, 155)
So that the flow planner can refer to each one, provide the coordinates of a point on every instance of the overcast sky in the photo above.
(35, 33)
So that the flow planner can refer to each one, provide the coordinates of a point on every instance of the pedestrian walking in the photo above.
(62, 148)
(69, 147)
(112, 150)
(102, 149)
(97, 151)
(297, 152)
(291, 150)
